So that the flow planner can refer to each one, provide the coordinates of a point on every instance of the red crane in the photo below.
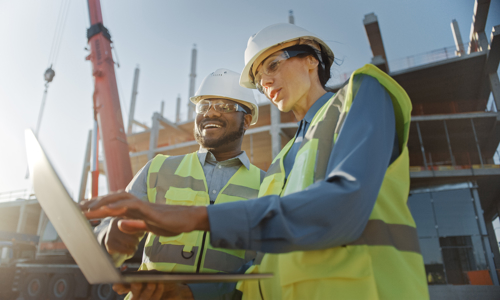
(107, 110)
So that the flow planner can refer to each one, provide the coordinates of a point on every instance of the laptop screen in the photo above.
(66, 217)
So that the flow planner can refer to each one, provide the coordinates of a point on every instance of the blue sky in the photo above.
(159, 36)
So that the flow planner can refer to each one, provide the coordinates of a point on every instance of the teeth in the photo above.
(212, 126)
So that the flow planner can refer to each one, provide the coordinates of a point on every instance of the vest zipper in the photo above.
(260, 291)
(202, 249)
(201, 252)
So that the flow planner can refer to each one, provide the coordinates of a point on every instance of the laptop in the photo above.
(76, 232)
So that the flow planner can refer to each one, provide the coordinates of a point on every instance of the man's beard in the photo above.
(213, 144)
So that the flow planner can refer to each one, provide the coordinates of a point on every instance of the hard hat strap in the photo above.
(297, 49)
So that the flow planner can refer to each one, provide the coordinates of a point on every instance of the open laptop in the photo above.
(76, 232)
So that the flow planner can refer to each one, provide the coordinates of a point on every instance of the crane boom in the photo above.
(107, 102)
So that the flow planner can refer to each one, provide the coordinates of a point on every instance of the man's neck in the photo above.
(222, 154)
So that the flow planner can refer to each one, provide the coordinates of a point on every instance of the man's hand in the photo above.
(122, 241)
(161, 219)
(154, 291)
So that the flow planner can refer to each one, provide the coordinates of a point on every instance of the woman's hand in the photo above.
(161, 219)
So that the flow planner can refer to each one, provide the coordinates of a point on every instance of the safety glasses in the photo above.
(270, 66)
(219, 105)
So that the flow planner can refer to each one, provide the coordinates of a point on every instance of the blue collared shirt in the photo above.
(301, 131)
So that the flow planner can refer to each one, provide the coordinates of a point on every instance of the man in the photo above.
(332, 211)
(218, 173)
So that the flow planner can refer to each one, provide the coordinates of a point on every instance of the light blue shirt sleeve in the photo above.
(329, 213)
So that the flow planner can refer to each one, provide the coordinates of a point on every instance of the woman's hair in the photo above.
(311, 48)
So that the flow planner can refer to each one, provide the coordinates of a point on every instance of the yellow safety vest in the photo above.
(385, 262)
(180, 180)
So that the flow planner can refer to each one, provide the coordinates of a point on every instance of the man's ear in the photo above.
(248, 120)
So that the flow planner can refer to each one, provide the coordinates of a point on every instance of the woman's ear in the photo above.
(312, 62)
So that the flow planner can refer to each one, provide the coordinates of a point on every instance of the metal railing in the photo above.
(16, 194)
(424, 58)
(409, 62)
(450, 162)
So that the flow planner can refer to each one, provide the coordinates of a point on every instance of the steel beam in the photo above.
(422, 146)
(477, 142)
(456, 173)
(454, 116)
(167, 122)
(144, 126)
(449, 144)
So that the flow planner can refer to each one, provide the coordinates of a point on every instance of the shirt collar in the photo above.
(316, 106)
(204, 155)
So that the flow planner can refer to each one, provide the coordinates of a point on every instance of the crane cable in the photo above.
(54, 53)
(59, 30)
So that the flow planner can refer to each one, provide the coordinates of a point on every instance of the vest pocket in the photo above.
(188, 239)
(184, 196)
(350, 262)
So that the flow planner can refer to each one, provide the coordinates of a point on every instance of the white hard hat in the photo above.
(224, 83)
(272, 39)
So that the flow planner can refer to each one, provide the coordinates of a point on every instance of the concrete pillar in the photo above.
(153, 138)
(494, 53)
(459, 44)
(132, 101)
(275, 130)
(375, 39)
(495, 88)
(86, 168)
(21, 222)
(477, 36)
(493, 243)
(482, 41)
(484, 236)
(162, 107)
(178, 109)
(192, 77)
(41, 223)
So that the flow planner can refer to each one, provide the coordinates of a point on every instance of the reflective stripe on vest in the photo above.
(379, 233)
(181, 180)
(385, 262)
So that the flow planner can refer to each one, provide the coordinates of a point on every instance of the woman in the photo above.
(331, 213)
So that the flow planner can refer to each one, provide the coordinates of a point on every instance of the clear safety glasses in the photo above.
(271, 65)
(219, 105)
